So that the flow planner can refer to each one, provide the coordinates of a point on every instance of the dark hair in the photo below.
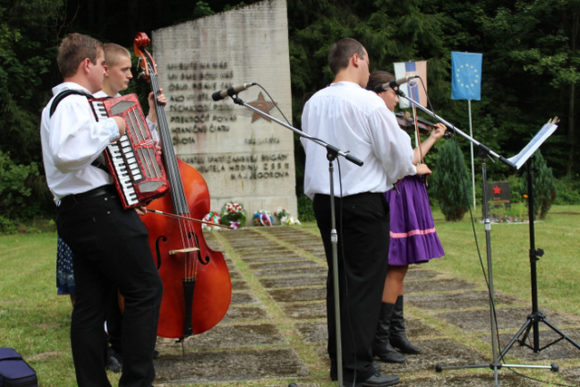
(342, 51)
(73, 49)
(377, 79)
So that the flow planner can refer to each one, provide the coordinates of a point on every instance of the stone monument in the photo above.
(243, 157)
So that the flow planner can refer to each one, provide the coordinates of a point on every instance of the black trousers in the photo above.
(110, 248)
(362, 223)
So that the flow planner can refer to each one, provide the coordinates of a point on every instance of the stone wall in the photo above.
(243, 156)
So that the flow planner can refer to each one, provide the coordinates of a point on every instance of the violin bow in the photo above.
(175, 216)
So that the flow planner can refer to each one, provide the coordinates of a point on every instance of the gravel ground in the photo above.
(274, 333)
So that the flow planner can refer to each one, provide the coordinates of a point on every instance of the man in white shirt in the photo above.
(109, 244)
(353, 119)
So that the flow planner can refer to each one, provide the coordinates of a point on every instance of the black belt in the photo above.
(92, 194)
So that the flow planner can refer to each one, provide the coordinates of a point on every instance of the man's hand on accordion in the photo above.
(121, 125)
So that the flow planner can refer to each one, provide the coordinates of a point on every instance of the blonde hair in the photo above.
(113, 53)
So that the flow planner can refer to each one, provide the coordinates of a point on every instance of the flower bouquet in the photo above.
(284, 217)
(211, 217)
(262, 218)
(233, 214)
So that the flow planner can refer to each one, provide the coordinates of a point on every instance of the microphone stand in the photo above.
(484, 151)
(332, 153)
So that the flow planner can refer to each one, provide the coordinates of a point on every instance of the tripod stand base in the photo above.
(496, 366)
(532, 322)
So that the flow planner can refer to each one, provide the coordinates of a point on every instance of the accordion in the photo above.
(133, 161)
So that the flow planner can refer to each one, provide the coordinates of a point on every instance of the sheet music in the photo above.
(542, 135)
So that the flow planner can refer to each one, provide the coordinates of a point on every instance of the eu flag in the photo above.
(466, 76)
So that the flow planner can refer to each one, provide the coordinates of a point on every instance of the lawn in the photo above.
(558, 272)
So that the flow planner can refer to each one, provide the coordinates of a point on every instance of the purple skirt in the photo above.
(413, 238)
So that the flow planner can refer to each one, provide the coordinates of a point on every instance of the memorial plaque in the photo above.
(499, 193)
(242, 156)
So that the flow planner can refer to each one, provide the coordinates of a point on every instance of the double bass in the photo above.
(196, 281)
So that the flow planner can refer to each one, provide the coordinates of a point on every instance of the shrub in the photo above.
(7, 226)
(567, 190)
(450, 182)
(15, 190)
(543, 185)
(305, 210)
(517, 188)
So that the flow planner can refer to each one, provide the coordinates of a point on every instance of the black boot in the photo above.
(398, 335)
(382, 347)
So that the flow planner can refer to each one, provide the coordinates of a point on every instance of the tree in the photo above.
(530, 59)
(543, 185)
(27, 46)
(450, 182)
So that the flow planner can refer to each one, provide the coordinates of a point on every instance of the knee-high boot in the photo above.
(398, 334)
(382, 347)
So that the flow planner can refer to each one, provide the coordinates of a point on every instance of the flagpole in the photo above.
(471, 151)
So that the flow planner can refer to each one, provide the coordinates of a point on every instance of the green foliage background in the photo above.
(530, 63)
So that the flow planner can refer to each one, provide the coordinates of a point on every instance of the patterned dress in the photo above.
(413, 238)
(65, 277)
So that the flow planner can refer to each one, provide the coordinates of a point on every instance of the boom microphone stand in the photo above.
(331, 154)
(484, 152)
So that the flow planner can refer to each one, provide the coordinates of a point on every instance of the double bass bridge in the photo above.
(183, 251)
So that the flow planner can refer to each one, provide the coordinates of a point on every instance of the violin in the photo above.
(405, 121)
(196, 282)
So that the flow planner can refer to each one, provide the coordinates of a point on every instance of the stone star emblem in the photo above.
(263, 105)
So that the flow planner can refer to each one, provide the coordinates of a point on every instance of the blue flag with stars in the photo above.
(466, 76)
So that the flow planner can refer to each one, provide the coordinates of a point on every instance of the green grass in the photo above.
(35, 321)
(557, 270)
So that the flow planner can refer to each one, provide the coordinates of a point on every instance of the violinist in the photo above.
(109, 244)
(413, 238)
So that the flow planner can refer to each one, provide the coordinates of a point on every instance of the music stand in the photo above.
(536, 316)
(519, 159)
(332, 153)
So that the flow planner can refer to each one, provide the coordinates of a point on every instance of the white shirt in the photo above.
(354, 119)
(71, 140)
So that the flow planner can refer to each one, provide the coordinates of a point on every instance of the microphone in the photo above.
(221, 94)
(398, 82)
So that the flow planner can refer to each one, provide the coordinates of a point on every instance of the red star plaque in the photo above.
(263, 105)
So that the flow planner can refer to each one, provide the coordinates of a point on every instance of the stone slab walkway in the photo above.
(274, 333)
